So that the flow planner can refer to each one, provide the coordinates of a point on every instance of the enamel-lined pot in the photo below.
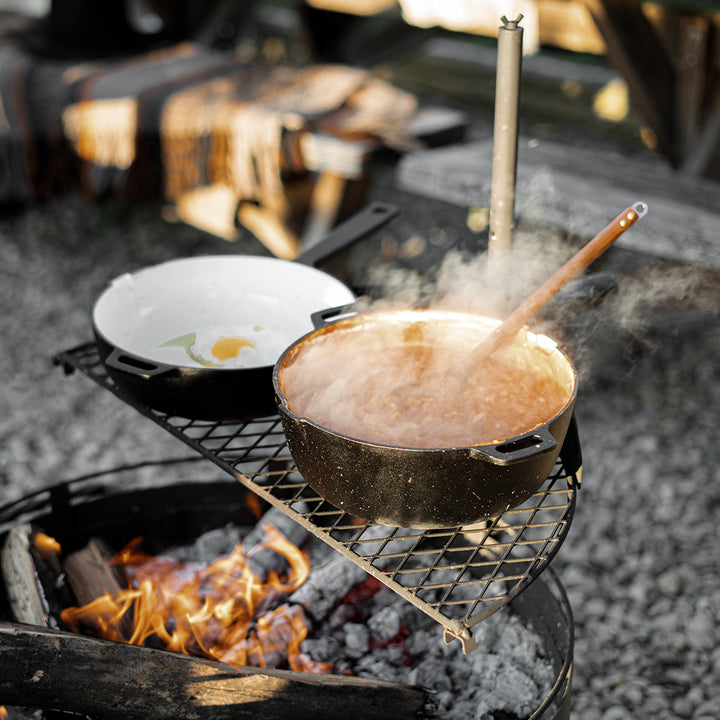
(418, 487)
(198, 337)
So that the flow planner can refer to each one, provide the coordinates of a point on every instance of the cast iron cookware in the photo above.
(424, 487)
(198, 337)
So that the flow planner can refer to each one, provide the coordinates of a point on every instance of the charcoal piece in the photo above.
(282, 522)
(324, 649)
(267, 645)
(390, 541)
(512, 691)
(330, 582)
(215, 543)
(432, 673)
(379, 665)
(421, 642)
(385, 624)
(327, 586)
(357, 640)
(262, 559)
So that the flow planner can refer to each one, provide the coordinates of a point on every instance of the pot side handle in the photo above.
(327, 316)
(519, 448)
(134, 365)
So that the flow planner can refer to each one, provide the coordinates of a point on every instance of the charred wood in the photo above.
(91, 575)
(32, 574)
(64, 671)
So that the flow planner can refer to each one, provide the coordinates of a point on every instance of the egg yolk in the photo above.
(228, 347)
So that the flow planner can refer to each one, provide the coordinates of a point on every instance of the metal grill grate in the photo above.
(457, 576)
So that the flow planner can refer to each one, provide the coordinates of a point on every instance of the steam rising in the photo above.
(663, 289)
(494, 287)
(490, 286)
(389, 390)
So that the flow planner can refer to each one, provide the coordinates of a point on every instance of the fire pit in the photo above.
(170, 513)
(454, 577)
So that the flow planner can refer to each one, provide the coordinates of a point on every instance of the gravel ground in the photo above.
(641, 561)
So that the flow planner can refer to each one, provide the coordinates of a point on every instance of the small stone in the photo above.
(708, 708)
(700, 632)
(617, 712)
(682, 707)
(669, 583)
(633, 693)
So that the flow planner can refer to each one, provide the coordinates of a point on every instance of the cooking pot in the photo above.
(421, 487)
(198, 337)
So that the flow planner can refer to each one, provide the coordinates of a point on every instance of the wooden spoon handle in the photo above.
(505, 332)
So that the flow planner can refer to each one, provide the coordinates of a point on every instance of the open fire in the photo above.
(247, 596)
(222, 610)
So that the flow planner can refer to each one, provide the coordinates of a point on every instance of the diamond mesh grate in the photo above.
(457, 576)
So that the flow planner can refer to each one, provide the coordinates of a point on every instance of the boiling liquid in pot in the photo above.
(398, 394)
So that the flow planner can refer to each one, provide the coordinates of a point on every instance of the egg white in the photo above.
(267, 345)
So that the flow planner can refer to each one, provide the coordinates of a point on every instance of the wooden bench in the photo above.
(578, 191)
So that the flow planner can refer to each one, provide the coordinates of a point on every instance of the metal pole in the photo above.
(505, 137)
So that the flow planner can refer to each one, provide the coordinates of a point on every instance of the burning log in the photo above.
(64, 671)
(225, 609)
(91, 575)
(30, 561)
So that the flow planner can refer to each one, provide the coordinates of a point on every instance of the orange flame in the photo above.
(45, 543)
(252, 502)
(3, 712)
(220, 611)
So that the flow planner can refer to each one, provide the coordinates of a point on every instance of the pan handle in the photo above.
(580, 294)
(134, 365)
(355, 228)
(535, 442)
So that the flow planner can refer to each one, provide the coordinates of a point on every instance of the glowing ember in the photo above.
(220, 611)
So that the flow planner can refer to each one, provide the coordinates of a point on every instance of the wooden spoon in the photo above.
(506, 332)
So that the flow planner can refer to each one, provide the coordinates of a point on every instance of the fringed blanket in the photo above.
(202, 131)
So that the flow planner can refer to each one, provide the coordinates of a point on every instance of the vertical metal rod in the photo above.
(505, 135)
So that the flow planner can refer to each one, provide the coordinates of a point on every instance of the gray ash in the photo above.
(372, 632)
